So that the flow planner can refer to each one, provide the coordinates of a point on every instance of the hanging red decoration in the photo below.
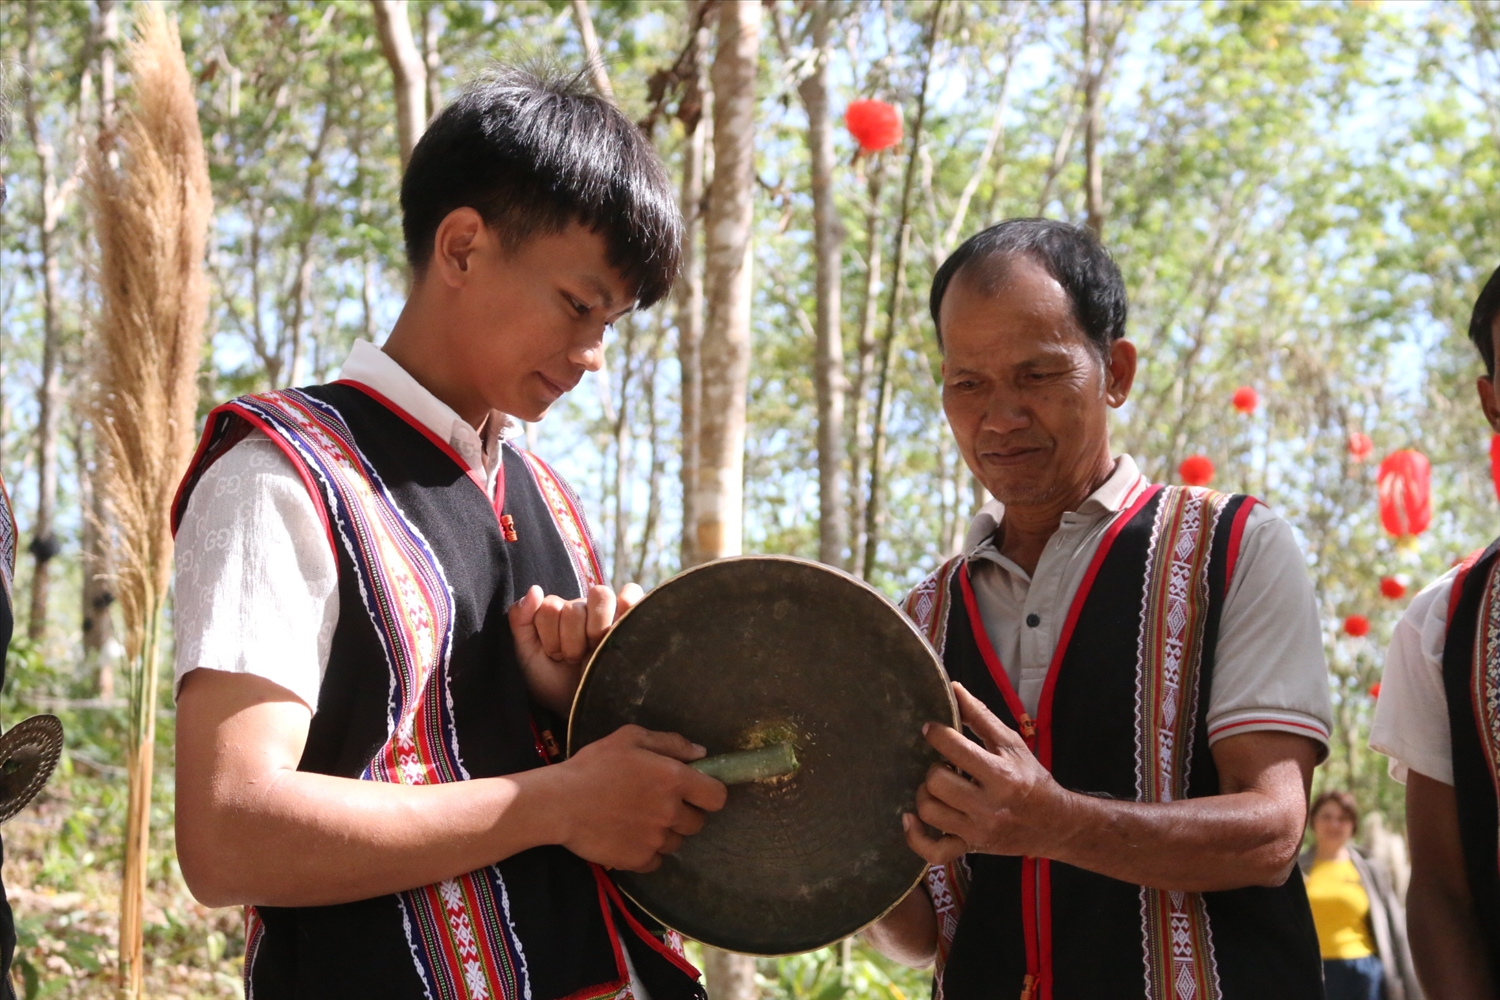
(1405, 485)
(1245, 399)
(1196, 470)
(1375, 690)
(1495, 463)
(1357, 626)
(875, 125)
(1392, 588)
(1360, 446)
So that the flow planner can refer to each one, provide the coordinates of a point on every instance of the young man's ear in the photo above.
(458, 236)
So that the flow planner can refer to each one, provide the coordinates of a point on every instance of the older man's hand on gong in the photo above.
(554, 637)
(1004, 802)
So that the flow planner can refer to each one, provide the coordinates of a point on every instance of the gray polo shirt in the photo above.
(1269, 669)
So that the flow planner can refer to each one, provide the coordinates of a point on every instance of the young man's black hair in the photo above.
(1482, 322)
(532, 152)
(1070, 254)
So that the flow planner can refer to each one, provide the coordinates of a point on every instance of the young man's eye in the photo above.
(578, 307)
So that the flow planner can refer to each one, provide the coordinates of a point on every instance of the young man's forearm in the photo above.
(252, 828)
(1446, 942)
(304, 839)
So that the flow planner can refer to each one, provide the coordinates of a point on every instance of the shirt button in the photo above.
(1033, 619)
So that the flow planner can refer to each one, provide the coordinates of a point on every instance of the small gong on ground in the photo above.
(802, 673)
(29, 751)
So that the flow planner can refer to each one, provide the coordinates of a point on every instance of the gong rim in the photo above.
(899, 614)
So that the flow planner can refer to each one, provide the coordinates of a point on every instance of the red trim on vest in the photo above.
(1458, 584)
(646, 936)
(1044, 725)
(1236, 535)
(286, 449)
(992, 658)
(474, 475)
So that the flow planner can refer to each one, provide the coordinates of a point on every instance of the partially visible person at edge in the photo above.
(1141, 667)
(1361, 921)
(7, 626)
(1438, 719)
(382, 605)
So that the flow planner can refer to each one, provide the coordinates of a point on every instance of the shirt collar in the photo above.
(369, 365)
(1117, 492)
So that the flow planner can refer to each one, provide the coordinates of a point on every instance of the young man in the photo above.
(371, 686)
(1142, 666)
(1438, 719)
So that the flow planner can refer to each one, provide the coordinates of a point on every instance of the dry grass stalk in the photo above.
(151, 218)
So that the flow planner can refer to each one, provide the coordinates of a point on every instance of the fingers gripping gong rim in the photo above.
(755, 650)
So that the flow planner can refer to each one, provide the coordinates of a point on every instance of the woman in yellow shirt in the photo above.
(1361, 923)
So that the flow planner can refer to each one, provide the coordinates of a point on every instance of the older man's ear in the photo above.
(1121, 375)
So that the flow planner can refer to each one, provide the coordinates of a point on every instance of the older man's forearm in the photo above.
(1196, 845)
(908, 934)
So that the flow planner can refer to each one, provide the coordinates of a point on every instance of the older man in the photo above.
(1142, 667)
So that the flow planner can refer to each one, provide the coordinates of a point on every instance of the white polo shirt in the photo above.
(257, 585)
(1411, 714)
(1269, 668)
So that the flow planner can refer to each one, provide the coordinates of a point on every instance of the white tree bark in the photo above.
(726, 336)
(698, 95)
(409, 70)
(829, 348)
(597, 71)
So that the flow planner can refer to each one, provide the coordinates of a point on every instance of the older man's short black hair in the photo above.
(1071, 254)
(1482, 323)
(532, 152)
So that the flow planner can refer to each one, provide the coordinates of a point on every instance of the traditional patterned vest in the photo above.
(1123, 714)
(1471, 680)
(423, 686)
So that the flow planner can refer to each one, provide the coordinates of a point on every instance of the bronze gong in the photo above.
(754, 652)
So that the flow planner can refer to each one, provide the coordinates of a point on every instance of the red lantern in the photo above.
(1357, 626)
(1392, 588)
(1360, 446)
(875, 125)
(1375, 690)
(1495, 462)
(1245, 399)
(1405, 484)
(1196, 470)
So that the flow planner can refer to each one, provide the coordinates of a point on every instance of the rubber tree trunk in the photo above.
(726, 342)
(409, 70)
(1094, 175)
(697, 103)
(874, 504)
(49, 394)
(726, 335)
(829, 348)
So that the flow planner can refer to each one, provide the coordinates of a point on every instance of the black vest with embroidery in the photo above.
(1123, 714)
(423, 686)
(1471, 680)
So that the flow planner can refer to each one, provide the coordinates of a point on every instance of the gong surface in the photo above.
(28, 753)
(748, 651)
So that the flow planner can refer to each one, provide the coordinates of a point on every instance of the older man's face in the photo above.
(1025, 390)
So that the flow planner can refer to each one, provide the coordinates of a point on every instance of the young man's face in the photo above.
(1489, 385)
(528, 322)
